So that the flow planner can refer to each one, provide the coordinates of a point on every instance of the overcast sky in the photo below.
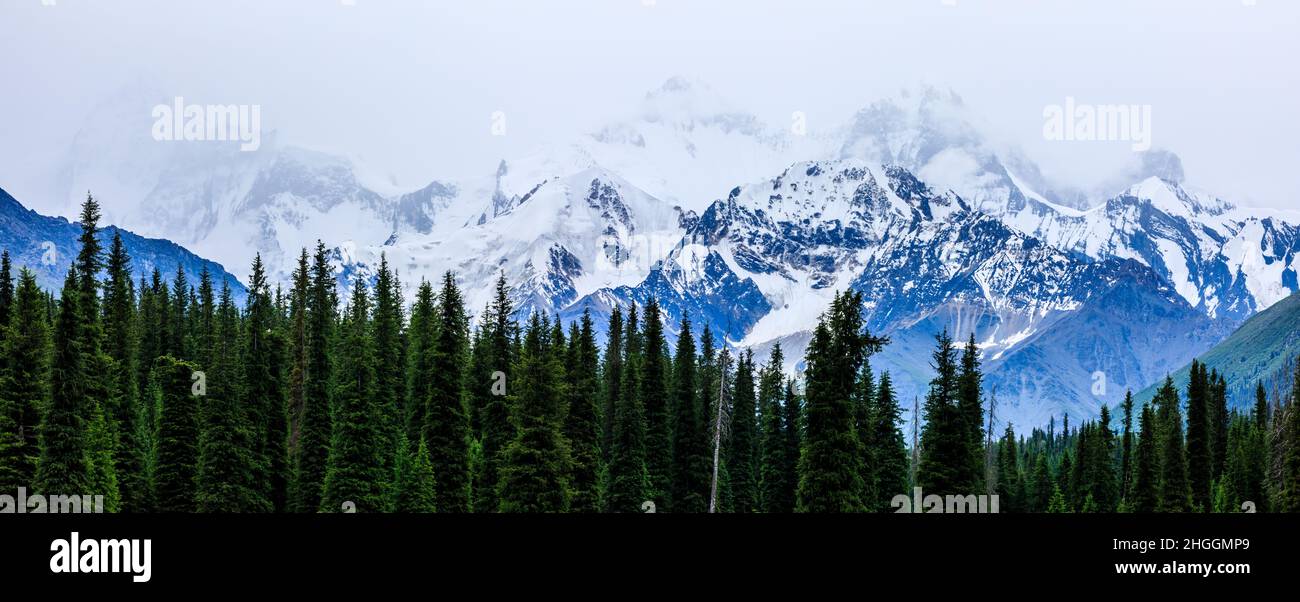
(409, 86)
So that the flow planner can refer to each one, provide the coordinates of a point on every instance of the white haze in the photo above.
(408, 88)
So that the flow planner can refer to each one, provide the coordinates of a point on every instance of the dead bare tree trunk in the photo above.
(717, 429)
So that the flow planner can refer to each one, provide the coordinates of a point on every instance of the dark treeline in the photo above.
(165, 397)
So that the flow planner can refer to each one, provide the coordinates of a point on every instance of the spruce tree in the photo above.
(227, 470)
(1145, 494)
(1260, 413)
(263, 373)
(1065, 478)
(1126, 452)
(62, 467)
(535, 466)
(177, 316)
(446, 428)
(1102, 483)
(422, 337)
(612, 371)
(831, 459)
(1043, 486)
(774, 491)
(889, 451)
(354, 472)
(628, 486)
(120, 343)
(1009, 486)
(742, 469)
(792, 425)
(1287, 446)
(654, 398)
(1218, 427)
(495, 422)
(414, 490)
(390, 367)
(1175, 493)
(690, 479)
(101, 443)
(6, 291)
(945, 466)
(864, 395)
(315, 427)
(177, 460)
(1199, 469)
(970, 409)
(297, 377)
(1058, 505)
(582, 421)
(24, 383)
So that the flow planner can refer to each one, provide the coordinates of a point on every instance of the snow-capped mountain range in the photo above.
(751, 229)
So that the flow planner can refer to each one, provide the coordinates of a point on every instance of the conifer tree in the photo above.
(120, 344)
(969, 407)
(628, 487)
(945, 439)
(494, 410)
(1100, 475)
(315, 427)
(227, 469)
(62, 467)
(742, 469)
(1065, 479)
(153, 323)
(535, 466)
(1287, 446)
(612, 371)
(1126, 452)
(792, 424)
(1145, 494)
(1175, 493)
(6, 291)
(772, 446)
(1218, 427)
(1058, 505)
(262, 370)
(390, 367)
(1261, 407)
(1199, 471)
(297, 378)
(889, 451)
(582, 421)
(24, 383)
(414, 490)
(831, 459)
(1044, 486)
(177, 316)
(354, 471)
(178, 434)
(101, 443)
(446, 428)
(1009, 486)
(422, 337)
(653, 383)
(864, 393)
(690, 482)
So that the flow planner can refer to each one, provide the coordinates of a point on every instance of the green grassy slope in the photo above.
(1262, 349)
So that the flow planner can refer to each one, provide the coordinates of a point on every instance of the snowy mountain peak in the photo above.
(684, 103)
(1171, 198)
